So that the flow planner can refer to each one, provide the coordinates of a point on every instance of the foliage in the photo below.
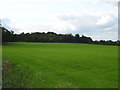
(14, 76)
(9, 36)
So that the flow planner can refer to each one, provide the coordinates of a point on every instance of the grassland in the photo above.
(66, 65)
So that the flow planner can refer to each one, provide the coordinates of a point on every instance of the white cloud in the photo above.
(104, 36)
(33, 27)
(90, 17)
(96, 26)
(105, 0)
(104, 20)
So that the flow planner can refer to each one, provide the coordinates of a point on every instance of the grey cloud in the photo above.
(82, 23)
(88, 21)
(7, 24)
(103, 36)
(86, 24)
(111, 23)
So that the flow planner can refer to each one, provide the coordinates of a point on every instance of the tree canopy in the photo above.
(9, 36)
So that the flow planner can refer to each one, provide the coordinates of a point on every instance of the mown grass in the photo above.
(66, 65)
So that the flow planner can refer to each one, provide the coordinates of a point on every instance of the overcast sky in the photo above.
(95, 18)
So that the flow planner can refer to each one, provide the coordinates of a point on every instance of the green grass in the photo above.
(66, 65)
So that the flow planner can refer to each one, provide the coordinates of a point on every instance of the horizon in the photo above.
(97, 19)
(61, 34)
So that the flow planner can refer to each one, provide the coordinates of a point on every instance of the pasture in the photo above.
(66, 65)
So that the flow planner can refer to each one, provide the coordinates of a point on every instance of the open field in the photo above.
(66, 65)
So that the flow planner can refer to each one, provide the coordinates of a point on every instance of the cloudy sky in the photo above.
(95, 18)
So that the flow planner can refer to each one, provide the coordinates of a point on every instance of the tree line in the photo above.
(9, 36)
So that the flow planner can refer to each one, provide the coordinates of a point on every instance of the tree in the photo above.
(9, 36)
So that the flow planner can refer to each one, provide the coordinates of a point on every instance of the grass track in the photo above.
(66, 65)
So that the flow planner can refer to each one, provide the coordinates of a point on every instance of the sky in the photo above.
(97, 19)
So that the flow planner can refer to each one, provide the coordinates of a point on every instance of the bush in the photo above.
(15, 76)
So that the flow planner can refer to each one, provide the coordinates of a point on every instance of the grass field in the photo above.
(66, 65)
